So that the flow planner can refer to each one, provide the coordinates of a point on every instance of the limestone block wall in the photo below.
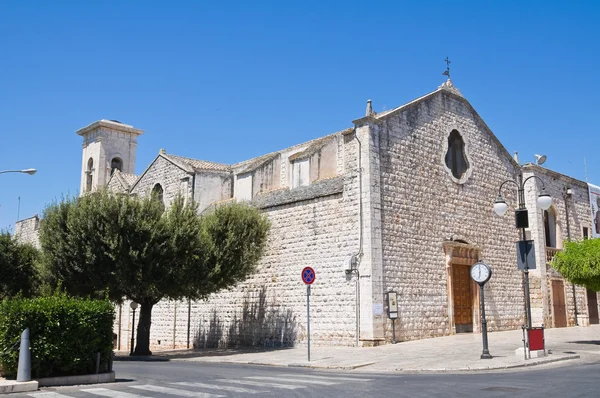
(210, 187)
(168, 175)
(313, 226)
(270, 307)
(114, 185)
(27, 231)
(422, 207)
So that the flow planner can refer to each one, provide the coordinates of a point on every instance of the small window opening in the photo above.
(455, 157)
(89, 176)
(116, 163)
(158, 193)
(550, 228)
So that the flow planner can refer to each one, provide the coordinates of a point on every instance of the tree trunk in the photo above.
(142, 346)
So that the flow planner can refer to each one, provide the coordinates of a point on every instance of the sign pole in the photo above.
(308, 277)
(308, 317)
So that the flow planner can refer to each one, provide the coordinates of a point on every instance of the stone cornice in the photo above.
(370, 119)
(542, 170)
(109, 124)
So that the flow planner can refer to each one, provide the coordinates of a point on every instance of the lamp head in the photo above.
(540, 159)
(544, 201)
(29, 171)
(500, 206)
(133, 305)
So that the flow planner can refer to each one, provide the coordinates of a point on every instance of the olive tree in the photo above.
(133, 248)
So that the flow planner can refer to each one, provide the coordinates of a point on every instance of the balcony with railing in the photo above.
(550, 253)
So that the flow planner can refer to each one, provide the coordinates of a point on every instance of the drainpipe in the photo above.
(358, 256)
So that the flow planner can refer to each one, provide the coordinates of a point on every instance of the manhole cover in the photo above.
(502, 389)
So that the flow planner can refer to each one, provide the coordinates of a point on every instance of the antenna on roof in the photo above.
(585, 169)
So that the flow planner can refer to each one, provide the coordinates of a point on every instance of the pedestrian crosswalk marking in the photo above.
(218, 387)
(175, 391)
(262, 384)
(48, 395)
(296, 379)
(332, 377)
(104, 392)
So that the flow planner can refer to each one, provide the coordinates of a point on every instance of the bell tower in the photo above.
(107, 145)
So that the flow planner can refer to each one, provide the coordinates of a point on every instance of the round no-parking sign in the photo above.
(308, 275)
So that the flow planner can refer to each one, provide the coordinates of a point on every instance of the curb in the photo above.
(141, 358)
(399, 370)
(10, 386)
(490, 368)
(76, 380)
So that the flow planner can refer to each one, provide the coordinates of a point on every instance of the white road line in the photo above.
(105, 392)
(218, 387)
(332, 378)
(176, 391)
(262, 384)
(49, 395)
(295, 379)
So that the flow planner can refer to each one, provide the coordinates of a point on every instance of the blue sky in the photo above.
(228, 81)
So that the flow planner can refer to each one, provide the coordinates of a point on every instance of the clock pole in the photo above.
(481, 273)
(486, 352)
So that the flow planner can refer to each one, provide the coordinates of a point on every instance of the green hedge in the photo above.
(66, 334)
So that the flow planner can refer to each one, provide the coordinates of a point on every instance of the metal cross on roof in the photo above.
(447, 71)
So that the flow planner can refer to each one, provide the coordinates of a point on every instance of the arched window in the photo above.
(550, 228)
(157, 193)
(116, 163)
(456, 159)
(89, 177)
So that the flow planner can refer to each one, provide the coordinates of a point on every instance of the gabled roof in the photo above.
(188, 165)
(124, 179)
(129, 178)
(313, 147)
(198, 165)
(446, 88)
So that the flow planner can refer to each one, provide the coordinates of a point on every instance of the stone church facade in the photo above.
(400, 201)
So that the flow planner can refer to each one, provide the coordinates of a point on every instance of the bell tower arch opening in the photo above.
(108, 145)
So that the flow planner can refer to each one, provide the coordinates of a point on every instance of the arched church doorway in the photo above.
(462, 291)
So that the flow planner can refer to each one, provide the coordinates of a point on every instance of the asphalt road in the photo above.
(194, 379)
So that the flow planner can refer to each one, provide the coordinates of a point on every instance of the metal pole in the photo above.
(24, 366)
(394, 331)
(357, 305)
(189, 321)
(521, 197)
(119, 336)
(308, 317)
(527, 296)
(132, 333)
(486, 352)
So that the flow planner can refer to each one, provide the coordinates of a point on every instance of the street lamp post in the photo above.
(133, 306)
(26, 171)
(522, 222)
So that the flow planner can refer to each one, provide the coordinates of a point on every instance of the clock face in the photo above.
(480, 272)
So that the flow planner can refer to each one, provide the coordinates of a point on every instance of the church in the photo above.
(390, 212)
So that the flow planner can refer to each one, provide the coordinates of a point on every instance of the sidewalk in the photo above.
(452, 353)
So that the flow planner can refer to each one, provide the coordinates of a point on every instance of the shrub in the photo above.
(66, 334)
